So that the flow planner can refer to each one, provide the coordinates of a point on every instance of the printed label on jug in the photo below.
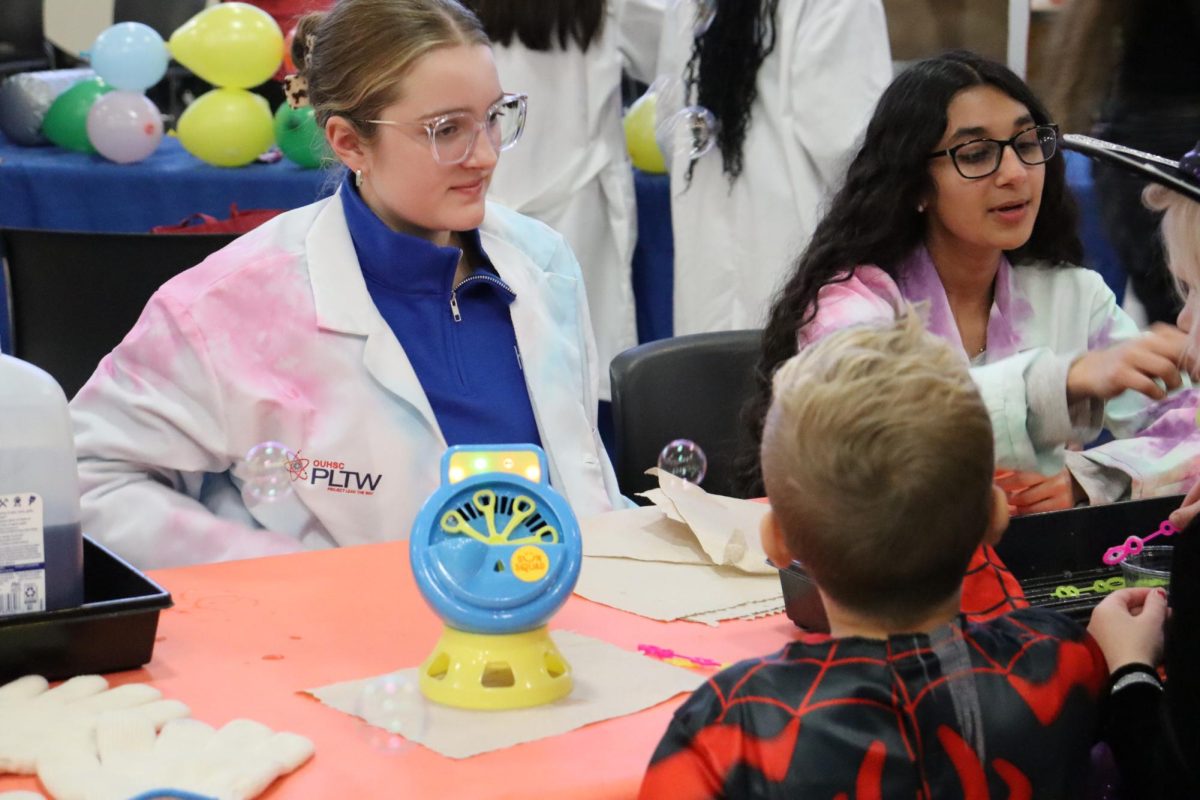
(22, 554)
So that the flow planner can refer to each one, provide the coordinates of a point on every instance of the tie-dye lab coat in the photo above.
(1041, 319)
(275, 337)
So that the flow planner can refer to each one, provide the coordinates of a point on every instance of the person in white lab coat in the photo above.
(573, 170)
(791, 84)
(365, 332)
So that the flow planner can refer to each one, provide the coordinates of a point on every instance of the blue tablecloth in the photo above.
(52, 188)
(55, 189)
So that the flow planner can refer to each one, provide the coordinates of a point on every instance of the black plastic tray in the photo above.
(1058, 548)
(801, 602)
(113, 630)
(1043, 551)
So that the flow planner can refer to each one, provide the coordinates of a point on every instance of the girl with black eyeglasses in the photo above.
(957, 199)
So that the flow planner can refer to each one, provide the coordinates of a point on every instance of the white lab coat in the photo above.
(571, 169)
(816, 90)
(275, 337)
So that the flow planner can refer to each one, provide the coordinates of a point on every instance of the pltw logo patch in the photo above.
(333, 476)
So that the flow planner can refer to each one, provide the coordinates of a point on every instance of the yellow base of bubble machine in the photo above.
(495, 671)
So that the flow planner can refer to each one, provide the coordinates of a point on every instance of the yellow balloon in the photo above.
(639, 135)
(227, 127)
(234, 45)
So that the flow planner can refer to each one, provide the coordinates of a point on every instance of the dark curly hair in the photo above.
(541, 24)
(873, 218)
(723, 71)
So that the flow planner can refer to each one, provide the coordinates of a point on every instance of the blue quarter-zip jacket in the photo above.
(459, 339)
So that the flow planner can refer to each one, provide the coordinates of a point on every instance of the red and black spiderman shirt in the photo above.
(863, 719)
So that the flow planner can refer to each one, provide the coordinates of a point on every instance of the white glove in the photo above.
(36, 720)
(237, 762)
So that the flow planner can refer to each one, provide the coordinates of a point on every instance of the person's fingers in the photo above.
(1045, 493)
(1036, 493)
(1054, 503)
(1165, 337)
(1154, 365)
(1154, 605)
(1014, 481)
(1131, 598)
(1109, 605)
(1183, 516)
(1130, 378)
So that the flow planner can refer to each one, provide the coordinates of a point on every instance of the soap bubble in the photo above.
(395, 712)
(266, 472)
(691, 131)
(700, 129)
(683, 458)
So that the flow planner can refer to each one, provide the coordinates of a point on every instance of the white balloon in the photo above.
(124, 126)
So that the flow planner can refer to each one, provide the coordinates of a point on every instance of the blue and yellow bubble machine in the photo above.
(495, 551)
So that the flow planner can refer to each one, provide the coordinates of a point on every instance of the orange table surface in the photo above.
(245, 637)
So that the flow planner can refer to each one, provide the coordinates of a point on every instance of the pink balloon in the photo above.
(125, 127)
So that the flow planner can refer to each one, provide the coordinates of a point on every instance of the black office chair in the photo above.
(74, 296)
(689, 387)
(23, 44)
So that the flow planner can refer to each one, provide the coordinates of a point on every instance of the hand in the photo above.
(1136, 364)
(35, 719)
(1128, 626)
(237, 762)
(1182, 516)
(1032, 492)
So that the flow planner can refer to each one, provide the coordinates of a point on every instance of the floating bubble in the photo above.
(395, 712)
(266, 472)
(683, 458)
(691, 131)
(700, 127)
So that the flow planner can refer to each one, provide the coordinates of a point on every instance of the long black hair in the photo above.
(541, 24)
(723, 70)
(873, 218)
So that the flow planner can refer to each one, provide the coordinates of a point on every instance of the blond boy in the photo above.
(877, 457)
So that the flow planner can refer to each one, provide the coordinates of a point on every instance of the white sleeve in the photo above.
(591, 373)
(149, 427)
(840, 64)
(639, 28)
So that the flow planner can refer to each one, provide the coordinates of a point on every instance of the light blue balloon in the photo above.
(130, 56)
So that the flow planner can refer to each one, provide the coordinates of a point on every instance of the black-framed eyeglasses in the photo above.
(452, 136)
(979, 158)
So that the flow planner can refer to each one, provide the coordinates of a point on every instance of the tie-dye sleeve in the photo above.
(148, 425)
(869, 295)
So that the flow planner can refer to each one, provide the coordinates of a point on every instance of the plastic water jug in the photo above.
(41, 550)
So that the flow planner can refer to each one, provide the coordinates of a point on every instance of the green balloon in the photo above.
(65, 123)
(298, 136)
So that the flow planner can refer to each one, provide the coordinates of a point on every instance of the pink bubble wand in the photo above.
(1136, 544)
